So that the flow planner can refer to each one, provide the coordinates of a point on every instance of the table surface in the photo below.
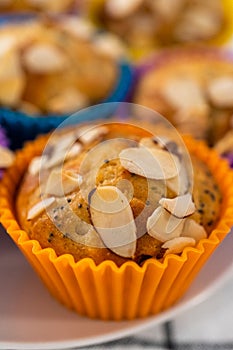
(208, 326)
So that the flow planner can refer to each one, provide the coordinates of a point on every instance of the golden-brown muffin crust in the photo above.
(206, 196)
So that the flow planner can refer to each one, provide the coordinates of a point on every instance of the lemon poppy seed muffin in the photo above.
(106, 203)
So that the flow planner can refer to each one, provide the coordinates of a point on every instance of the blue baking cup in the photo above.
(21, 127)
(6, 18)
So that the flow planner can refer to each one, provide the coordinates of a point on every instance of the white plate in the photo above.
(31, 319)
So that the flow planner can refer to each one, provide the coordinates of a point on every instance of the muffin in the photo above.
(6, 156)
(48, 68)
(145, 24)
(110, 218)
(192, 88)
(51, 68)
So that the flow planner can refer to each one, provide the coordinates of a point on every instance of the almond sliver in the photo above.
(43, 58)
(163, 226)
(63, 143)
(7, 43)
(77, 27)
(220, 91)
(113, 219)
(110, 45)
(6, 157)
(177, 245)
(180, 206)
(36, 164)
(122, 8)
(91, 134)
(60, 183)
(149, 142)
(55, 160)
(74, 151)
(40, 207)
(150, 163)
(183, 93)
(194, 230)
(198, 23)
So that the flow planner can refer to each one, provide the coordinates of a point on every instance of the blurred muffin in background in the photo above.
(192, 88)
(6, 156)
(148, 23)
(51, 6)
(54, 66)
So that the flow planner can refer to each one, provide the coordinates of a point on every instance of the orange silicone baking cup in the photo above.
(107, 291)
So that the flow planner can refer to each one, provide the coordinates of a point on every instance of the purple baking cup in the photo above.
(3, 139)
(159, 58)
(3, 142)
(229, 157)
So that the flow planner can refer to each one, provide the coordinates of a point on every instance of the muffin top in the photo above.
(193, 90)
(54, 66)
(116, 192)
(146, 23)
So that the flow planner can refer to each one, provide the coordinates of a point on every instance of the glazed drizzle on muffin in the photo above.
(120, 213)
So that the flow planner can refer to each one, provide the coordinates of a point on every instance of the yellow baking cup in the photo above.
(227, 32)
(95, 8)
(106, 291)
